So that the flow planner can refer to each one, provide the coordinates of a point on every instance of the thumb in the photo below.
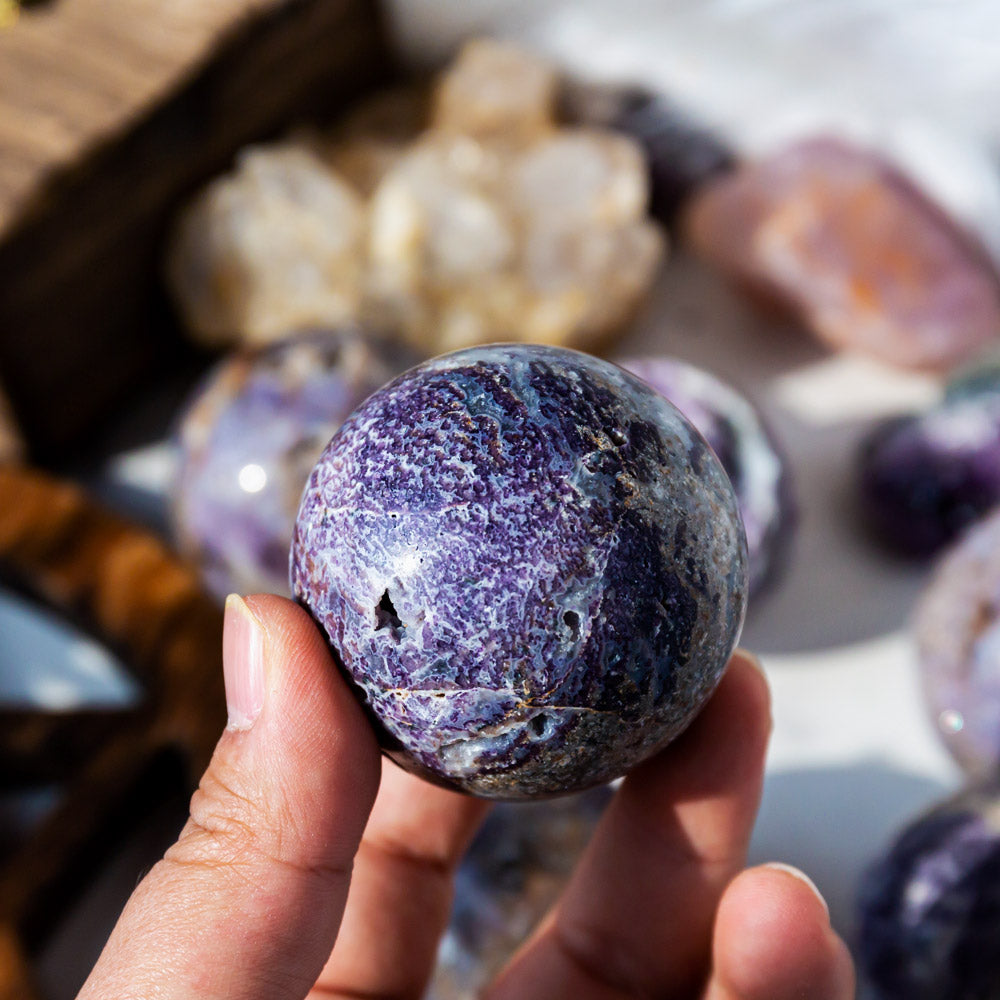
(248, 902)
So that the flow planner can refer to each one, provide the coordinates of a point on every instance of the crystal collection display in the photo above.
(529, 564)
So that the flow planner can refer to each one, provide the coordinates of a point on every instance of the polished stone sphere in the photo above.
(248, 439)
(518, 864)
(924, 478)
(957, 627)
(747, 449)
(530, 564)
(930, 908)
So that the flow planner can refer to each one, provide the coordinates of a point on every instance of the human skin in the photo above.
(310, 868)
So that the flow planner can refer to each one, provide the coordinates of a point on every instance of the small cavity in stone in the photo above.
(385, 614)
(538, 725)
(572, 622)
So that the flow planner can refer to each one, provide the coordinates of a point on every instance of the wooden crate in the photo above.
(111, 113)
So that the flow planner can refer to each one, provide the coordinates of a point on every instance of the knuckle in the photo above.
(234, 828)
(225, 828)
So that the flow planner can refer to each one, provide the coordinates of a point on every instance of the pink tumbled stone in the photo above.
(855, 250)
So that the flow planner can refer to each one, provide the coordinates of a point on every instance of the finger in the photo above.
(636, 918)
(401, 891)
(773, 941)
(248, 901)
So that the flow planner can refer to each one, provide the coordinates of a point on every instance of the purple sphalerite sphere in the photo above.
(930, 909)
(531, 565)
(247, 442)
(747, 449)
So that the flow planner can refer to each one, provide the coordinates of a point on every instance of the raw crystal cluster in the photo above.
(958, 637)
(247, 443)
(271, 249)
(492, 223)
(926, 477)
(471, 243)
(747, 449)
(531, 565)
(852, 247)
(496, 92)
(518, 864)
(930, 909)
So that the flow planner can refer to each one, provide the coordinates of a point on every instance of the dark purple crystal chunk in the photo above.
(929, 923)
(529, 562)
(681, 153)
(747, 449)
(924, 478)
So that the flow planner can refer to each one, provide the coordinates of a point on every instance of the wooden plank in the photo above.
(72, 73)
(96, 157)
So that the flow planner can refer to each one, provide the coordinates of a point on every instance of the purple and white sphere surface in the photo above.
(930, 908)
(747, 449)
(957, 627)
(530, 564)
(248, 441)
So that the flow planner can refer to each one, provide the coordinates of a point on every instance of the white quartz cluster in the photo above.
(487, 220)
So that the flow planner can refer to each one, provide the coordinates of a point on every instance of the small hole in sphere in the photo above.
(572, 621)
(539, 725)
(385, 614)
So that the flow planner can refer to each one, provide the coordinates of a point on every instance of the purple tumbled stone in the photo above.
(929, 910)
(926, 477)
(248, 441)
(747, 449)
(958, 638)
(850, 245)
(530, 564)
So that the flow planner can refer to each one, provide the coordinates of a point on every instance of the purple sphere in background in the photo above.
(957, 629)
(515, 870)
(530, 564)
(930, 909)
(747, 449)
(248, 441)
(925, 478)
